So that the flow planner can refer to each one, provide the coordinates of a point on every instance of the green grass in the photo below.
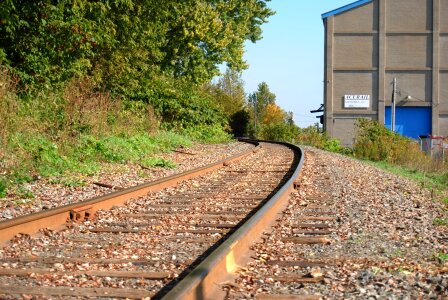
(24, 193)
(442, 257)
(68, 181)
(65, 160)
(3, 187)
(158, 162)
(437, 181)
(440, 222)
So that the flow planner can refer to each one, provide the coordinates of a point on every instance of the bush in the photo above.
(312, 137)
(207, 133)
(377, 143)
(278, 132)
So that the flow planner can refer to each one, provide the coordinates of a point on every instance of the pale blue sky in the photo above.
(290, 56)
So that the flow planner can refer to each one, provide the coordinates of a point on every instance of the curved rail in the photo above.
(203, 281)
(57, 217)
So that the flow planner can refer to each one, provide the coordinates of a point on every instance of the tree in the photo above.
(260, 100)
(274, 114)
(123, 42)
(228, 92)
(206, 33)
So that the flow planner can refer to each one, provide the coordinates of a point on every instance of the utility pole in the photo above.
(394, 96)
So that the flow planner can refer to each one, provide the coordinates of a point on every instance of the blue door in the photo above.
(410, 121)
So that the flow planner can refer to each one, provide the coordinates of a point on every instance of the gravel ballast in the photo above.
(383, 244)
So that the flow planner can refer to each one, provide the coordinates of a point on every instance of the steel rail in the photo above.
(57, 217)
(204, 281)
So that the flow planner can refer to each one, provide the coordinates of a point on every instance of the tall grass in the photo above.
(376, 143)
(73, 130)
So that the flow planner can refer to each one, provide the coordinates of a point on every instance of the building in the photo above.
(369, 43)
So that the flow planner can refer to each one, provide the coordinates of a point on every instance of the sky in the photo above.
(290, 57)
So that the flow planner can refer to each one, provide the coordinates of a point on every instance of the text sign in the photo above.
(357, 101)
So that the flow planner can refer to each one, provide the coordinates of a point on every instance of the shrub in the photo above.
(312, 137)
(207, 133)
(278, 132)
(377, 143)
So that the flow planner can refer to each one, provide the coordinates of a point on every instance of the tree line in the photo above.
(164, 53)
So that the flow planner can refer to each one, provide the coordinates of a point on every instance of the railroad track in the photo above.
(171, 242)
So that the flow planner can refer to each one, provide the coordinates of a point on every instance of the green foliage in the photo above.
(181, 105)
(375, 142)
(228, 92)
(440, 222)
(124, 42)
(278, 132)
(207, 133)
(445, 200)
(260, 100)
(312, 137)
(442, 257)
(84, 82)
(158, 162)
(3, 187)
(24, 193)
(68, 181)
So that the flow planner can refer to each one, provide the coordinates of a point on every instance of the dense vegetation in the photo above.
(88, 81)
(84, 82)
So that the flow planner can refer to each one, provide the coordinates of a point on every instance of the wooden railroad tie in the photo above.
(310, 225)
(311, 232)
(286, 297)
(297, 278)
(313, 218)
(198, 231)
(108, 273)
(297, 263)
(75, 291)
(308, 240)
(50, 260)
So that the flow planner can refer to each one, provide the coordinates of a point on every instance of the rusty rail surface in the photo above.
(57, 217)
(204, 281)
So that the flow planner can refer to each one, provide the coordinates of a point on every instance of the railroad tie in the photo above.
(308, 240)
(286, 297)
(108, 273)
(75, 291)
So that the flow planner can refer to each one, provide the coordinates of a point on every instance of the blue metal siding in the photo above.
(410, 121)
(345, 8)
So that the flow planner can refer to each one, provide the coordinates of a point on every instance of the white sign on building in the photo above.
(357, 101)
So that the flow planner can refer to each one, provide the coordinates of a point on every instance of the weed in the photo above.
(440, 222)
(376, 270)
(24, 193)
(312, 137)
(207, 133)
(445, 201)
(398, 253)
(142, 174)
(158, 162)
(441, 257)
(69, 182)
(3, 187)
